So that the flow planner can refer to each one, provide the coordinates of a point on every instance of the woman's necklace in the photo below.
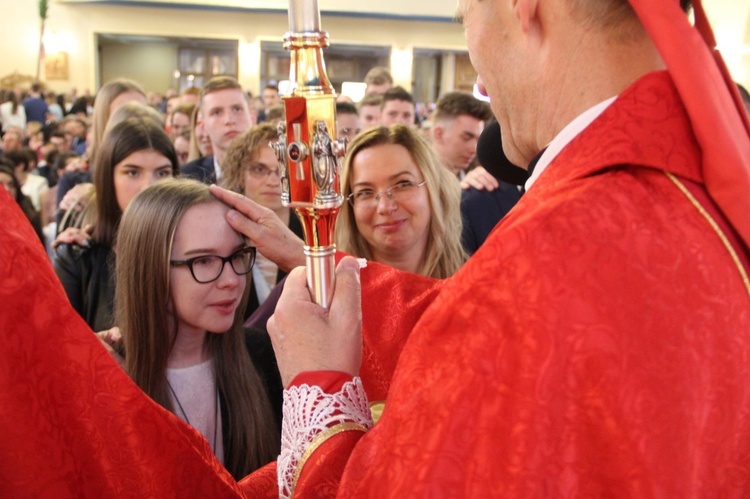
(187, 420)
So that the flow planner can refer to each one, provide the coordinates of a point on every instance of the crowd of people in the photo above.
(54, 154)
(568, 318)
(127, 146)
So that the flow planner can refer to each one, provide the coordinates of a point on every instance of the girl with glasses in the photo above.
(182, 332)
(403, 204)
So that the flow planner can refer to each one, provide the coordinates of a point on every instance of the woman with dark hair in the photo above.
(133, 155)
(183, 336)
(32, 185)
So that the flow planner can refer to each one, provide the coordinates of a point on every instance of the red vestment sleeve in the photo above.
(392, 303)
(328, 381)
(321, 474)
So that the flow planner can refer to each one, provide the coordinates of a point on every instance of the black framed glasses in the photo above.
(368, 198)
(208, 268)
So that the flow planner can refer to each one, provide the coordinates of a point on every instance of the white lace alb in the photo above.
(307, 413)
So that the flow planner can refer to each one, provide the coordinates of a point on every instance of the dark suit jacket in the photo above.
(481, 210)
(201, 169)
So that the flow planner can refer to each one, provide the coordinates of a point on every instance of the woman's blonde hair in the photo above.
(193, 151)
(144, 248)
(104, 97)
(244, 149)
(133, 109)
(443, 254)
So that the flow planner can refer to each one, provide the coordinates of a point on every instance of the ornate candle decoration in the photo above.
(307, 151)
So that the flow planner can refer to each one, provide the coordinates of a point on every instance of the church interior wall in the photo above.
(73, 28)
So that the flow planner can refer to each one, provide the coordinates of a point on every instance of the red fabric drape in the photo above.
(719, 120)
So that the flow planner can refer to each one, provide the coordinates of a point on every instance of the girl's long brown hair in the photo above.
(142, 301)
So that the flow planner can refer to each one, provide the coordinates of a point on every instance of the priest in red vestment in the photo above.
(598, 344)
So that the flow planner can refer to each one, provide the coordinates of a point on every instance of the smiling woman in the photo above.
(403, 207)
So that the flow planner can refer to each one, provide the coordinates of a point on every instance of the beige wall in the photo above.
(151, 65)
(420, 8)
(73, 28)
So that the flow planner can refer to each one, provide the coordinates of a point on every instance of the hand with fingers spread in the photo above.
(263, 228)
(307, 337)
(481, 179)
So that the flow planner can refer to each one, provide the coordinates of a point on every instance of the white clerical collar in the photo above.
(217, 168)
(567, 134)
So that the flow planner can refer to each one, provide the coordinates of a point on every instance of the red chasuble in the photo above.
(72, 423)
(598, 344)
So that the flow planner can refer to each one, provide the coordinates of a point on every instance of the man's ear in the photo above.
(525, 11)
(438, 132)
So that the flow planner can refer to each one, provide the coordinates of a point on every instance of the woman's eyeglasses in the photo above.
(368, 198)
(208, 268)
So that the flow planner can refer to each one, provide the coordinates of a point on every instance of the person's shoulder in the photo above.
(37, 181)
(296, 226)
(75, 177)
(197, 165)
(504, 194)
(205, 160)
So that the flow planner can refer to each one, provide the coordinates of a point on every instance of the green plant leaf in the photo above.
(43, 8)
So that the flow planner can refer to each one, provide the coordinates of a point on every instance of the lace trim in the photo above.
(311, 416)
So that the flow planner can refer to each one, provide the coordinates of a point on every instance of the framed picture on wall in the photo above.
(56, 66)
